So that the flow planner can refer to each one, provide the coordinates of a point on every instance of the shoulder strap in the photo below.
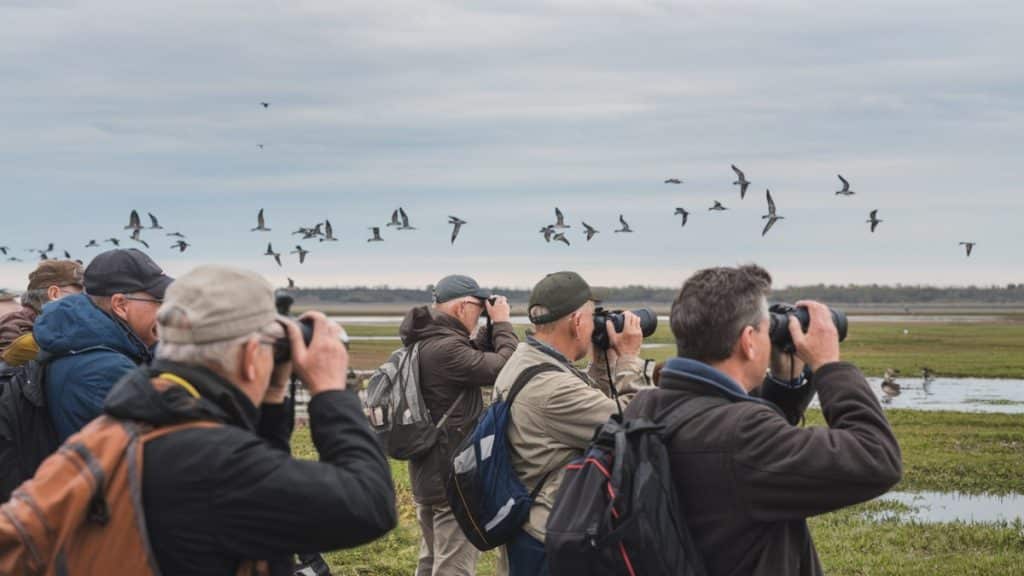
(525, 376)
(451, 409)
(154, 433)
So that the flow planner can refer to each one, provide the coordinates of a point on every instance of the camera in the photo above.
(491, 300)
(282, 346)
(648, 324)
(778, 330)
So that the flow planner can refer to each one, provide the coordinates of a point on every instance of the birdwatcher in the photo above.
(214, 490)
(553, 419)
(746, 475)
(455, 365)
(92, 339)
(51, 280)
(8, 302)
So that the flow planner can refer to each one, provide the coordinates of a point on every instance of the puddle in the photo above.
(990, 395)
(938, 507)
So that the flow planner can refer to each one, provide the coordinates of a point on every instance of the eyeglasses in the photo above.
(150, 300)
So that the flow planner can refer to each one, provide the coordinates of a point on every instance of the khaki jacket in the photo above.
(554, 416)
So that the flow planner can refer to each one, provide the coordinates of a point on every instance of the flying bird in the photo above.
(67, 255)
(873, 220)
(846, 187)
(718, 207)
(405, 221)
(113, 241)
(133, 221)
(3, 250)
(625, 226)
(394, 220)
(181, 245)
(560, 237)
(456, 226)
(673, 181)
(276, 255)
(682, 212)
(301, 252)
(260, 146)
(560, 219)
(741, 181)
(265, 104)
(771, 216)
(154, 223)
(136, 236)
(261, 223)
(548, 231)
(969, 246)
(589, 231)
(376, 235)
(14, 259)
(329, 234)
(176, 235)
(91, 244)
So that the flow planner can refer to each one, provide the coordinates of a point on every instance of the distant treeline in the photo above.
(838, 294)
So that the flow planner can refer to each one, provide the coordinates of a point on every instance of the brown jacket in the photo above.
(451, 362)
(554, 416)
(747, 480)
(14, 324)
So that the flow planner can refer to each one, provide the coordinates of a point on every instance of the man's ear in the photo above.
(247, 367)
(119, 306)
(746, 343)
(52, 293)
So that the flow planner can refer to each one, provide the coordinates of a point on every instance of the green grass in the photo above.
(943, 451)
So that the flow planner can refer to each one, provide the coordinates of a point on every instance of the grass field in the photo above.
(942, 451)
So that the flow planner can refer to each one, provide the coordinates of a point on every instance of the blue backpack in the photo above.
(485, 494)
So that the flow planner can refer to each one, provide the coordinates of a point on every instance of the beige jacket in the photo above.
(554, 416)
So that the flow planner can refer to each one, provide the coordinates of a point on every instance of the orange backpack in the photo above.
(82, 512)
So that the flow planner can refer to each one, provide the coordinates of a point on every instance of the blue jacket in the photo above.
(88, 351)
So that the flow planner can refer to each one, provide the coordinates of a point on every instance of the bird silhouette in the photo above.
(67, 255)
(394, 220)
(457, 224)
(625, 226)
(181, 245)
(673, 181)
(682, 212)
(771, 216)
(176, 235)
(890, 387)
(92, 244)
(113, 241)
(376, 235)
(276, 255)
(301, 252)
(329, 232)
(4, 249)
(265, 104)
(560, 237)
(718, 207)
(969, 246)
(291, 283)
(846, 187)
(136, 236)
(873, 220)
(560, 220)
(548, 231)
(589, 231)
(261, 223)
(741, 181)
(43, 256)
(260, 146)
(133, 221)
(14, 259)
(405, 220)
(154, 223)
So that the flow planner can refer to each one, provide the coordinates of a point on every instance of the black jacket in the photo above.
(747, 479)
(216, 496)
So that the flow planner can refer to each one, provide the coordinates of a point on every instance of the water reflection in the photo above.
(989, 395)
(936, 507)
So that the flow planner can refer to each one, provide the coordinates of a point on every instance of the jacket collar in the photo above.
(685, 373)
(237, 407)
(548, 349)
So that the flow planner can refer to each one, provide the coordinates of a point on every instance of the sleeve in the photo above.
(574, 409)
(92, 381)
(628, 374)
(344, 500)
(786, 472)
(276, 424)
(471, 367)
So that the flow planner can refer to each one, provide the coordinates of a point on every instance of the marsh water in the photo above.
(935, 507)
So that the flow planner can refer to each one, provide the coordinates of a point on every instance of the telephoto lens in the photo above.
(648, 324)
(283, 346)
(779, 324)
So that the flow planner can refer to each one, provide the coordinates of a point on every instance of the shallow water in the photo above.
(990, 395)
(663, 320)
(936, 507)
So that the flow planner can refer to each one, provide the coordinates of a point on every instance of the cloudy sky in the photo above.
(499, 111)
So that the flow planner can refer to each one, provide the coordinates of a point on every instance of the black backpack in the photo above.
(617, 512)
(27, 435)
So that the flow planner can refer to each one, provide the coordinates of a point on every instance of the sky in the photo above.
(497, 112)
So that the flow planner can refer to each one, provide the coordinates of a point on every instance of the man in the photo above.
(746, 477)
(453, 369)
(8, 302)
(51, 280)
(554, 416)
(93, 339)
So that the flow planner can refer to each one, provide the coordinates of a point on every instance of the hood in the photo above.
(74, 323)
(135, 398)
(424, 322)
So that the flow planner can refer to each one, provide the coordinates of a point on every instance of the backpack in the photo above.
(82, 512)
(394, 406)
(617, 511)
(487, 499)
(27, 436)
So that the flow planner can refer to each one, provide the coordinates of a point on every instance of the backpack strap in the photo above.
(448, 412)
(525, 376)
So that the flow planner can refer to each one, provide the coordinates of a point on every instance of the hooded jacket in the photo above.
(450, 363)
(214, 497)
(747, 479)
(14, 324)
(87, 351)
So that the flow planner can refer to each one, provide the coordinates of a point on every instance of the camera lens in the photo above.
(648, 324)
(779, 323)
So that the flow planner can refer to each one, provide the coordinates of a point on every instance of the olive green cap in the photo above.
(562, 293)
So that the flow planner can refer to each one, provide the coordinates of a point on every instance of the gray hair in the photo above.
(222, 357)
(35, 299)
(549, 327)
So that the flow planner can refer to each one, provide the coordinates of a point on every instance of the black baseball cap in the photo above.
(458, 286)
(124, 271)
(562, 293)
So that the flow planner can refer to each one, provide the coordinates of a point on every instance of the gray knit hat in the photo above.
(215, 304)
